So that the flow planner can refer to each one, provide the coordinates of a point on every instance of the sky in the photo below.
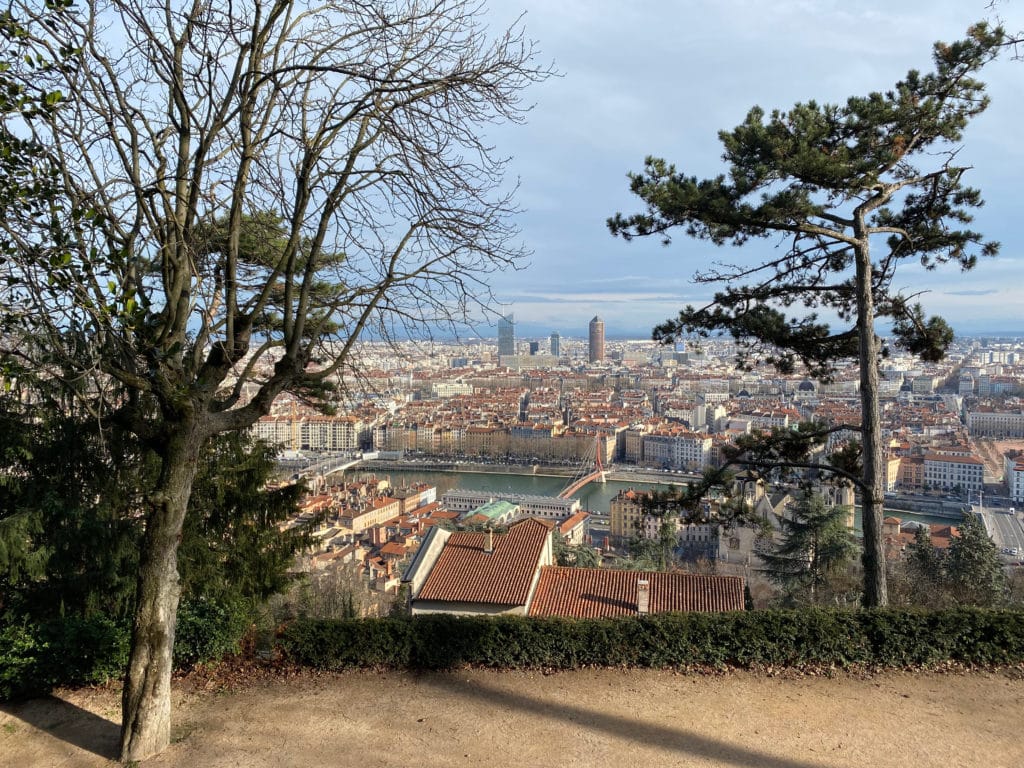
(662, 77)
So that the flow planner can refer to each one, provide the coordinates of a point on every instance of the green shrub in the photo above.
(76, 650)
(208, 629)
(87, 650)
(790, 638)
(20, 652)
(34, 658)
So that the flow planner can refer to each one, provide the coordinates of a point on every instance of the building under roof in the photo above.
(513, 572)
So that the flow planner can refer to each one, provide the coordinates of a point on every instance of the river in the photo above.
(594, 497)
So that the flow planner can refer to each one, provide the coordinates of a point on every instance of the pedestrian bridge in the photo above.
(597, 475)
(591, 471)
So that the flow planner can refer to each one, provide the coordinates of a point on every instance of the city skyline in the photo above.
(617, 102)
(540, 333)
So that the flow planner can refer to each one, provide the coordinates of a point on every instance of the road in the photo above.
(1006, 530)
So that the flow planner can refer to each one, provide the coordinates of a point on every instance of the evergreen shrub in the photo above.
(208, 629)
(20, 651)
(75, 650)
(88, 650)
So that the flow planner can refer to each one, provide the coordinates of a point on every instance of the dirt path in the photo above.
(590, 718)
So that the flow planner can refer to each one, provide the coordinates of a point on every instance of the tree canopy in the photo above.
(829, 177)
(969, 572)
(70, 527)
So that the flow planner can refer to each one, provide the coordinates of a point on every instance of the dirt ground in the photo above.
(588, 718)
(991, 452)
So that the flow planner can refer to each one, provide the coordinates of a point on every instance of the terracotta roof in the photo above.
(949, 459)
(393, 548)
(327, 557)
(464, 572)
(567, 525)
(597, 593)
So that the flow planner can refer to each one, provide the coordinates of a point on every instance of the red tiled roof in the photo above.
(327, 557)
(587, 593)
(949, 459)
(567, 525)
(941, 536)
(465, 573)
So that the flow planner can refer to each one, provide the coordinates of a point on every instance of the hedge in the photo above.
(794, 638)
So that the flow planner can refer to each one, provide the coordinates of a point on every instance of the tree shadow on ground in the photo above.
(687, 743)
(70, 723)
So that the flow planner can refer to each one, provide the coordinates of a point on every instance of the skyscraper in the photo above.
(596, 339)
(556, 344)
(507, 335)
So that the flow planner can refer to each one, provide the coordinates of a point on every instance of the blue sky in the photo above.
(663, 78)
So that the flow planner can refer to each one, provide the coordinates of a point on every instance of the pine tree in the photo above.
(973, 570)
(574, 556)
(854, 190)
(970, 572)
(815, 547)
(924, 563)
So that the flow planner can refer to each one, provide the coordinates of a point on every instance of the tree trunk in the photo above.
(873, 492)
(146, 701)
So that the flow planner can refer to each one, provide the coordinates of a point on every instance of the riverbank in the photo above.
(923, 509)
(622, 475)
(380, 465)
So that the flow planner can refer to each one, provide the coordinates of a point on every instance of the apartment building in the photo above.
(629, 516)
(1014, 466)
(947, 472)
(991, 423)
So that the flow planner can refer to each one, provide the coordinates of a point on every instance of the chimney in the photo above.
(489, 542)
(643, 597)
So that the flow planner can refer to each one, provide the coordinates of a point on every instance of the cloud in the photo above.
(625, 94)
(603, 297)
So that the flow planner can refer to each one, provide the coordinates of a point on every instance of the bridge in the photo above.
(319, 470)
(597, 474)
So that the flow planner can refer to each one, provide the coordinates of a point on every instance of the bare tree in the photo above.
(250, 188)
